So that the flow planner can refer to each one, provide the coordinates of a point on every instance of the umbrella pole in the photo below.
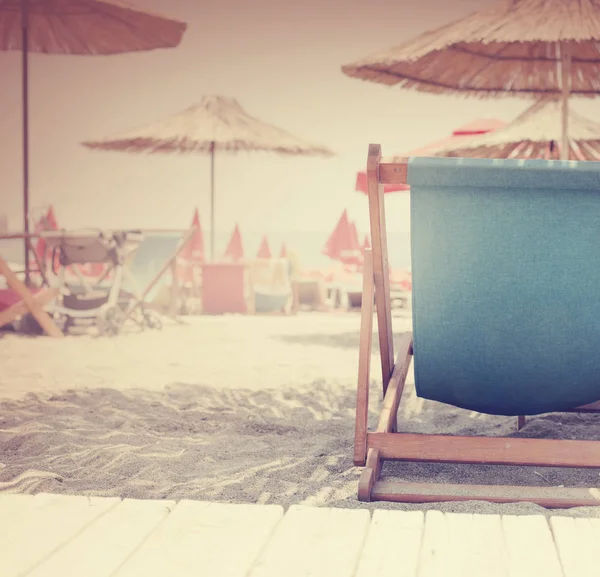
(25, 104)
(565, 72)
(212, 201)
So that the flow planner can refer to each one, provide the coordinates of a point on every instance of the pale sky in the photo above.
(281, 60)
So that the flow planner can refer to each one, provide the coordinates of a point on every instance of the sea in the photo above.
(308, 246)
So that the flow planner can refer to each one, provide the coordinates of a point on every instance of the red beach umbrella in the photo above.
(264, 251)
(235, 249)
(366, 244)
(46, 222)
(192, 254)
(342, 244)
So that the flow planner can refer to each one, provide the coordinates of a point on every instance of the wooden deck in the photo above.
(61, 536)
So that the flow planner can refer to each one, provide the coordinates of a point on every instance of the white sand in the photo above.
(240, 409)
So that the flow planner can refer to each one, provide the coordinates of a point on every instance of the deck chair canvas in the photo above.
(148, 271)
(506, 302)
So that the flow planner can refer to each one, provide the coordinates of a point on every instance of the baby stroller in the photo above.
(95, 296)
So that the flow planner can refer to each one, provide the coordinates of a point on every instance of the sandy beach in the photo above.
(231, 409)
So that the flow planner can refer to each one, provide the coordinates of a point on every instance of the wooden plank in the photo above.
(530, 547)
(552, 497)
(393, 544)
(364, 362)
(434, 560)
(102, 547)
(31, 534)
(393, 395)
(201, 538)
(393, 170)
(476, 545)
(315, 542)
(462, 545)
(370, 475)
(487, 450)
(36, 310)
(41, 298)
(380, 264)
(576, 541)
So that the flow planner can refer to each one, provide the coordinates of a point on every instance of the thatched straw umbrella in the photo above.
(537, 48)
(533, 134)
(83, 27)
(215, 124)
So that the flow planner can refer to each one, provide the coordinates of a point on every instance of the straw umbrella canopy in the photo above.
(536, 48)
(533, 134)
(82, 27)
(216, 123)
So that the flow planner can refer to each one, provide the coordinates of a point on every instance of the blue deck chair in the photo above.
(147, 272)
(506, 316)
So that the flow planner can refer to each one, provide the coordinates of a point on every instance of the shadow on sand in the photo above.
(347, 340)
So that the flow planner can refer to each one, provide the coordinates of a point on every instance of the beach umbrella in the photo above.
(354, 237)
(341, 244)
(533, 134)
(192, 254)
(532, 48)
(82, 27)
(283, 253)
(263, 250)
(46, 222)
(366, 244)
(462, 134)
(235, 249)
(214, 124)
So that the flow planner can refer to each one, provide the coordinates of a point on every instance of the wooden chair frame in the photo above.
(371, 449)
(28, 303)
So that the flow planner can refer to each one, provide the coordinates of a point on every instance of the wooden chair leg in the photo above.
(370, 475)
(380, 266)
(19, 309)
(364, 363)
(388, 418)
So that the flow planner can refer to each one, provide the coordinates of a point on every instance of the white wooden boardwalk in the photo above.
(61, 536)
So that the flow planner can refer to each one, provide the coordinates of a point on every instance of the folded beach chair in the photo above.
(506, 309)
(91, 300)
